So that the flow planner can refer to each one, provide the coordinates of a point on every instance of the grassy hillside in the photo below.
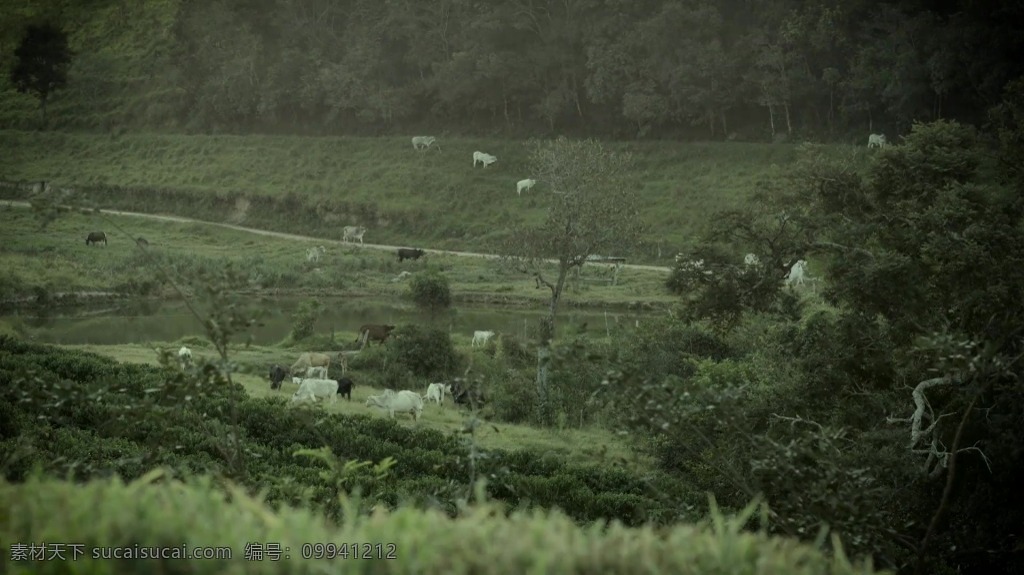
(428, 199)
(481, 541)
(55, 259)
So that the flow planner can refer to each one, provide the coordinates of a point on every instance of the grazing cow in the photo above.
(797, 274)
(142, 242)
(401, 402)
(185, 355)
(483, 158)
(424, 142)
(352, 233)
(345, 386)
(313, 254)
(464, 394)
(876, 141)
(751, 260)
(95, 238)
(308, 360)
(409, 254)
(480, 338)
(373, 332)
(277, 375)
(435, 392)
(692, 265)
(314, 388)
(526, 184)
(316, 372)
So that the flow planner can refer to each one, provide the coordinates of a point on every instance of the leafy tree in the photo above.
(304, 319)
(594, 209)
(430, 291)
(42, 63)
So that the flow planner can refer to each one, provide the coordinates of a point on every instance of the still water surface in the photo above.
(147, 321)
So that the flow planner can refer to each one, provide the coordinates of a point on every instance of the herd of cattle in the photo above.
(310, 374)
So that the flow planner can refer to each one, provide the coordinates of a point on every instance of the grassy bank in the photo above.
(427, 199)
(55, 259)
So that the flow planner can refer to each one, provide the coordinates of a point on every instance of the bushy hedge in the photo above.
(81, 415)
(154, 512)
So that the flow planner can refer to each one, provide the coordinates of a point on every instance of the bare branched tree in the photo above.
(593, 209)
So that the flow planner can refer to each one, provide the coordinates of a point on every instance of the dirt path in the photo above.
(314, 239)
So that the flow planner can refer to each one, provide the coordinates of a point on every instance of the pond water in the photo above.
(146, 321)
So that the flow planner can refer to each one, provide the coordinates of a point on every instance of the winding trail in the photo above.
(296, 237)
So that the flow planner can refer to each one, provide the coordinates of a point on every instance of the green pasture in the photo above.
(585, 446)
(56, 258)
(431, 199)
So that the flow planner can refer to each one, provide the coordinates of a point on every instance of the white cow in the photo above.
(185, 355)
(876, 141)
(484, 158)
(693, 265)
(313, 388)
(316, 372)
(423, 142)
(521, 185)
(313, 254)
(480, 338)
(797, 274)
(352, 233)
(435, 392)
(401, 402)
(751, 260)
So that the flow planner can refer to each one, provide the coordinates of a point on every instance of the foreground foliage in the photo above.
(156, 511)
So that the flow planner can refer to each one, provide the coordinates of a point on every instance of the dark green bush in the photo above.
(430, 291)
(424, 352)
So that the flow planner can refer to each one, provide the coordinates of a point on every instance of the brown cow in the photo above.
(308, 360)
(374, 332)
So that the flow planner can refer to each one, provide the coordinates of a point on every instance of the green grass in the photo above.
(155, 511)
(57, 259)
(428, 199)
(584, 446)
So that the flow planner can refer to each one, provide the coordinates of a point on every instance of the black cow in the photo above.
(95, 238)
(374, 332)
(464, 393)
(345, 386)
(277, 375)
(409, 254)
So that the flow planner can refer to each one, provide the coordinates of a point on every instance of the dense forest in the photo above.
(703, 69)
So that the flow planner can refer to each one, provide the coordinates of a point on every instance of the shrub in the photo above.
(304, 319)
(430, 291)
(424, 352)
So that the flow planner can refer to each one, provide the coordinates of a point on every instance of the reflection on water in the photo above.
(148, 320)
